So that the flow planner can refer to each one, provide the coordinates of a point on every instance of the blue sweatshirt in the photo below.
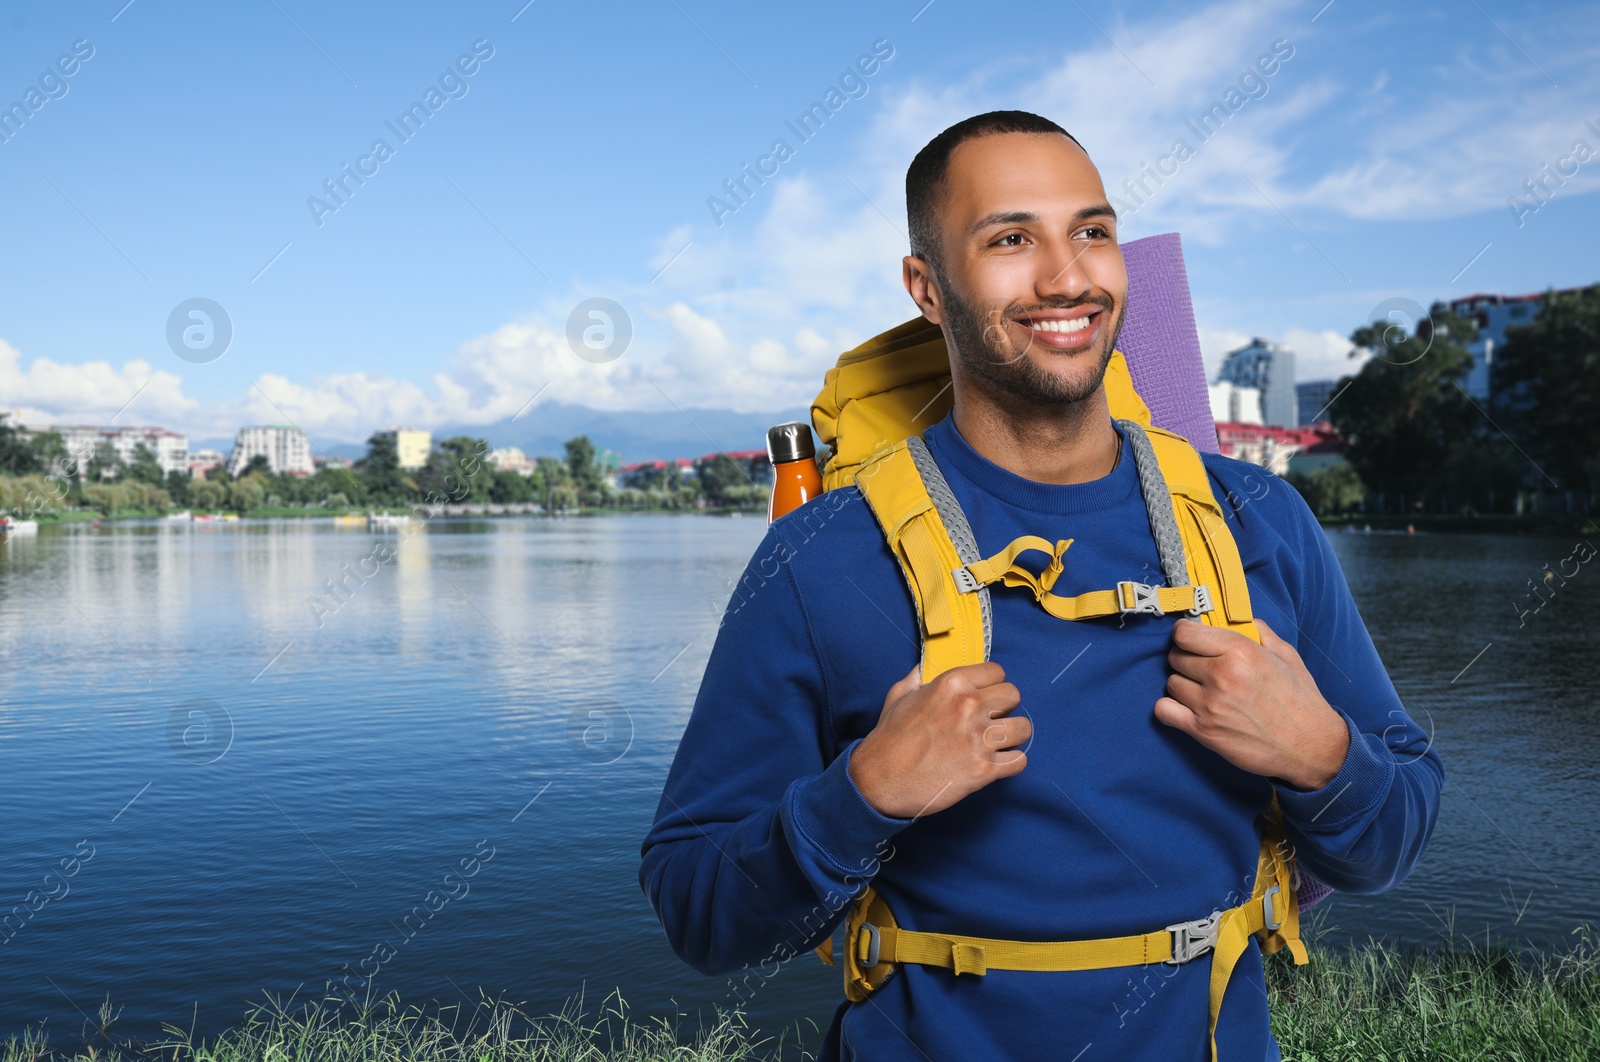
(1118, 825)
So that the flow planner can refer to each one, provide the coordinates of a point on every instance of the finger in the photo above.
(1175, 715)
(1274, 644)
(1191, 665)
(979, 676)
(1185, 691)
(1009, 763)
(1008, 733)
(1202, 639)
(1000, 699)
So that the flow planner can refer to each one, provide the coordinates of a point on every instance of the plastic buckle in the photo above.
(1267, 909)
(966, 582)
(1193, 939)
(1144, 597)
(1202, 600)
(873, 943)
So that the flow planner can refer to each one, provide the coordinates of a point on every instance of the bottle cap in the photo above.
(790, 442)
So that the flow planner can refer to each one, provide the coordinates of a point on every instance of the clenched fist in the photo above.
(936, 744)
(1257, 706)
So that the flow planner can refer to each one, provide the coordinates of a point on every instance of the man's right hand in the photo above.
(936, 744)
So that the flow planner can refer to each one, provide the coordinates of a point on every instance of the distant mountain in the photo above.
(636, 436)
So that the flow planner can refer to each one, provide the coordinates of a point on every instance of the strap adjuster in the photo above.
(1202, 600)
(966, 582)
(1193, 939)
(874, 942)
(1136, 598)
(1267, 909)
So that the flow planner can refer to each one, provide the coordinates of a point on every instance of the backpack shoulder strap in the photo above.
(927, 533)
(1208, 548)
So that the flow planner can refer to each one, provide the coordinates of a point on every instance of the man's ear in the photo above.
(923, 289)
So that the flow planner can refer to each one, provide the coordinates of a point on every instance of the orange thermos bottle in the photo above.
(795, 479)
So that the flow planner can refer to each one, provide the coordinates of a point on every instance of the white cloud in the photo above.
(48, 392)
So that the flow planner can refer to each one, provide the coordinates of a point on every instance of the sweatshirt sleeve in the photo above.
(761, 837)
(1366, 829)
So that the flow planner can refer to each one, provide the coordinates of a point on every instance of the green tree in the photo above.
(1332, 490)
(1405, 411)
(511, 488)
(381, 476)
(178, 484)
(258, 465)
(18, 455)
(586, 474)
(458, 471)
(104, 463)
(549, 476)
(721, 478)
(144, 467)
(1547, 377)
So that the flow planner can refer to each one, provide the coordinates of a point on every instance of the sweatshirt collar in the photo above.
(956, 456)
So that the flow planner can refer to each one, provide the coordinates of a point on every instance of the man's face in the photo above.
(1033, 286)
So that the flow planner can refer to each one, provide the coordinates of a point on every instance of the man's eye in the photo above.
(1096, 232)
(1001, 242)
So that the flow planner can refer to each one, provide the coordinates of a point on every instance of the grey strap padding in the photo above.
(955, 521)
(1158, 502)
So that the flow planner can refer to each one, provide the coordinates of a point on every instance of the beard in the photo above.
(986, 351)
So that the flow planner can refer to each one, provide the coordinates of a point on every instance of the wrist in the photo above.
(1328, 758)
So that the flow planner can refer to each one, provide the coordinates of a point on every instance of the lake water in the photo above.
(217, 789)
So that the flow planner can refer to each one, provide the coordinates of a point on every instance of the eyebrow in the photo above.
(1024, 217)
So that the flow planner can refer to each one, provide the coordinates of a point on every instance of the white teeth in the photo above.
(1077, 324)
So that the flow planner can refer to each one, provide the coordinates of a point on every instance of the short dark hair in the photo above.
(925, 178)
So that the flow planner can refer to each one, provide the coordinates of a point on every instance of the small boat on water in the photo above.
(215, 518)
(11, 526)
(182, 514)
(349, 520)
(387, 520)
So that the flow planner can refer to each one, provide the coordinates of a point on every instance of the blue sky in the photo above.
(576, 162)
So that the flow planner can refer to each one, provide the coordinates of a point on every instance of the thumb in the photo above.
(910, 684)
(1270, 640)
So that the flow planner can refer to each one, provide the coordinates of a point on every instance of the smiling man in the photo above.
(1096, 779)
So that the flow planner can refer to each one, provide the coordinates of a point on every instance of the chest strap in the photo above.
(1126, 597)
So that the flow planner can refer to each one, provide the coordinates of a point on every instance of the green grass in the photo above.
(1375, 1003)
(1459, 1003)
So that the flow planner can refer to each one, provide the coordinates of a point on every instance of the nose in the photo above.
(1063, 275)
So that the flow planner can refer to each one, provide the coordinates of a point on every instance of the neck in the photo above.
(1065, 444)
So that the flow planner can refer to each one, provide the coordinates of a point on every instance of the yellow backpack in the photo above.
(872, 406)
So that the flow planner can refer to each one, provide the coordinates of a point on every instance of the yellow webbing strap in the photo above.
(1003, 568)
(871, 927)
(952, 622)
(1208, 545)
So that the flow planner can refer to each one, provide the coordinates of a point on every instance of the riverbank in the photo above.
(1458, 1004)
(1545, 523)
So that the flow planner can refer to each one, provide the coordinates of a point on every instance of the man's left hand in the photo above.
(1254, 705)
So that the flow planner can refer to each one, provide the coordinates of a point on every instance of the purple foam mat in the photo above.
(1160, 341)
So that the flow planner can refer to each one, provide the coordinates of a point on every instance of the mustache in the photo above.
(1104, 302)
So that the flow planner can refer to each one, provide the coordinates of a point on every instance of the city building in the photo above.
(1262, 444)
(652, 474)
(411, 446)
(286, 449)
(1269, 368)
(1321, 447)
(1313, 398)
(201, 462)
(757, 464)
(170, 448)
(1493, 314)
(1232, 404)
(511, 459)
